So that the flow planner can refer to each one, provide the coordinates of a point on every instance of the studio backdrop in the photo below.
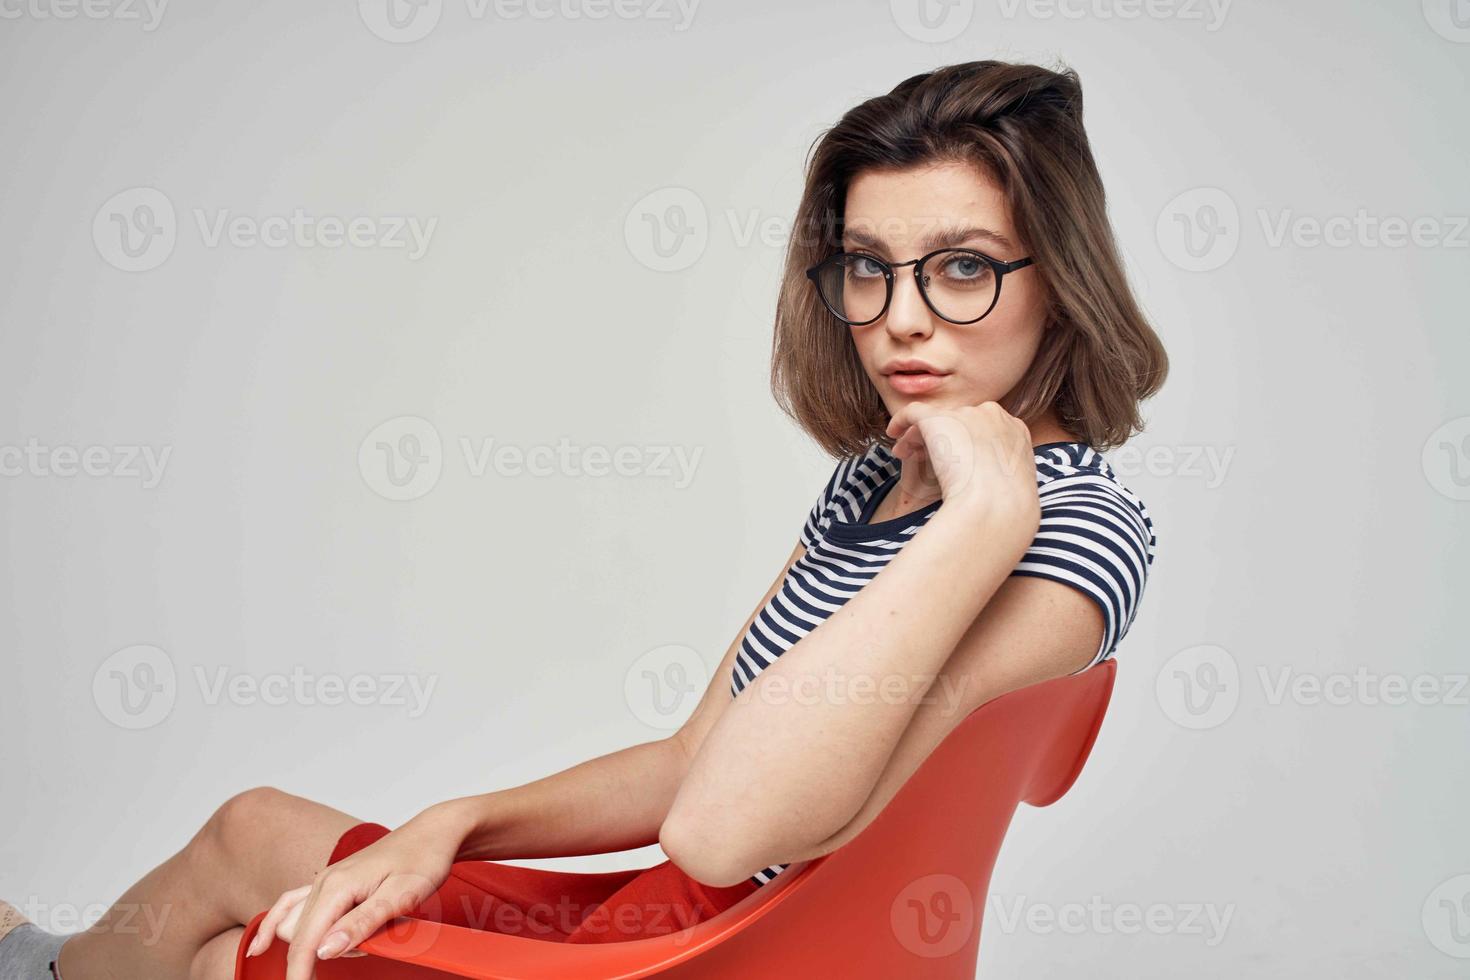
(385, 417)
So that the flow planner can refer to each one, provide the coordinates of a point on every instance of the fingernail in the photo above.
(335, 943)
(254, 948)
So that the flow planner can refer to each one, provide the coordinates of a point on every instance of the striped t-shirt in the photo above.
(1095, 535)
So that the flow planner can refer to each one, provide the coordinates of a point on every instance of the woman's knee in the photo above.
(240, 823)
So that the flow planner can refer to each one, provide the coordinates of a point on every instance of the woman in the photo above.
(967, 419)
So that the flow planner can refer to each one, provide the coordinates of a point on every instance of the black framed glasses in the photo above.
(960, 285)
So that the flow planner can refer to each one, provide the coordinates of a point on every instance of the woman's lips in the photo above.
(915, 383)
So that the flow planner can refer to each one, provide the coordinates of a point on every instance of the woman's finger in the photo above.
(908, 415)
(266, 933)
(289, 924)
(397, 895)
(332, 896)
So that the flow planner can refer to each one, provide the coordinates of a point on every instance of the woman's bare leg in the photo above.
(259, 844)
(216, 961)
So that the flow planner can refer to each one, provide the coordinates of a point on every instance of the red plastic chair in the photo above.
(904, 898)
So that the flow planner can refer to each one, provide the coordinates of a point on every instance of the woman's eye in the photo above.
(865, 268)
(965, 267)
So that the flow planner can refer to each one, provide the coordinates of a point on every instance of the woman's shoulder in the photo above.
(1076, 478)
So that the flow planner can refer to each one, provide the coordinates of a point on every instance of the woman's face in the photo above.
(899, 215)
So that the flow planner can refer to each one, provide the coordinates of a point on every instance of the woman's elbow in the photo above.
(711, 855)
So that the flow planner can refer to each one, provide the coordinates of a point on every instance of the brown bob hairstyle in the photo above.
(1022, 125)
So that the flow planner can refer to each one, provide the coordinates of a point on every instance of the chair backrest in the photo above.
(906, 897)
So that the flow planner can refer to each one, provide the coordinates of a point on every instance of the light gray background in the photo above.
(1326, 378)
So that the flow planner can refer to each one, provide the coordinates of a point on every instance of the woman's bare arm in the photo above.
(609, 803)
(794, 757)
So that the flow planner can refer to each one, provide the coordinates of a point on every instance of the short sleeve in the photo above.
(1097, 537)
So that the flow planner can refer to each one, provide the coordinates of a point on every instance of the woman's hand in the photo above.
(352, 899)
(977, 453)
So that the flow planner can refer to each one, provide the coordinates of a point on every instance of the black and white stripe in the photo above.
(1095, 535)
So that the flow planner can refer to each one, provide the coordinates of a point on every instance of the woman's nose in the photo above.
(908, 315)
